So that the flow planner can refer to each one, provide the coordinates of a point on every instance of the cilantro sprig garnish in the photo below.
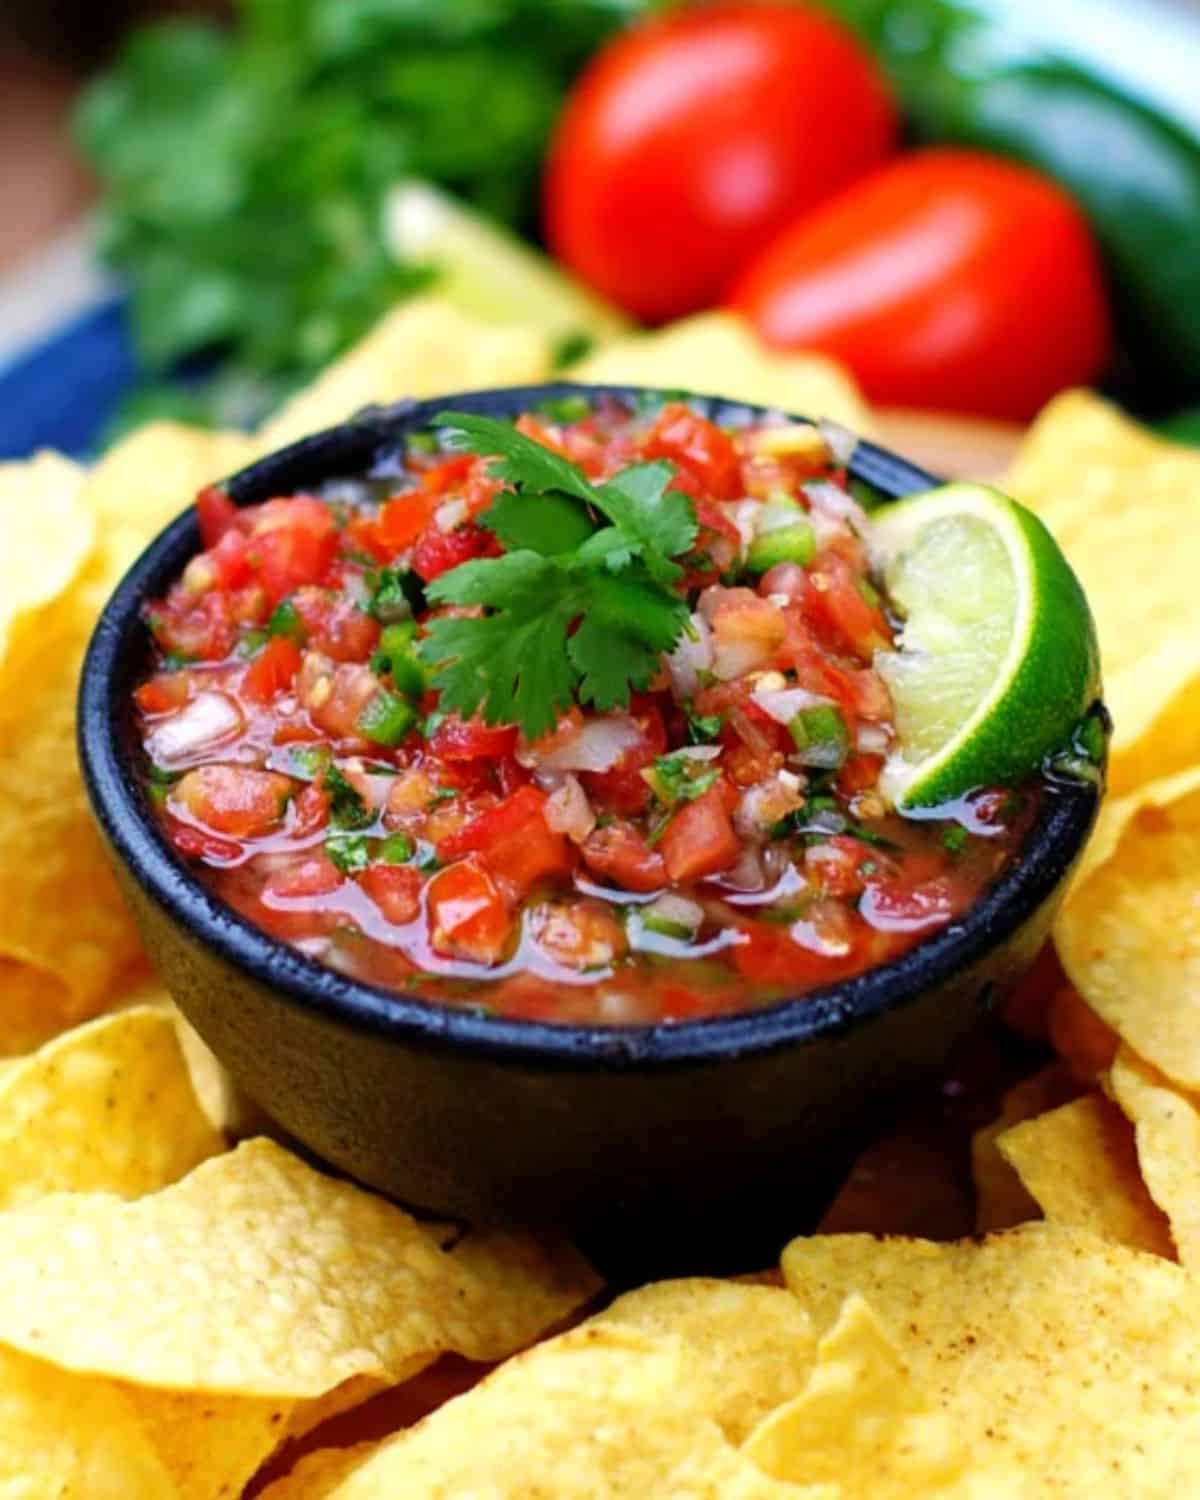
(582, 602)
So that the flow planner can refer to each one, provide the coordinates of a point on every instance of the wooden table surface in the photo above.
(957, 447)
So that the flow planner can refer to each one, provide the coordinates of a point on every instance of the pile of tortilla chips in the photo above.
(185, 1315)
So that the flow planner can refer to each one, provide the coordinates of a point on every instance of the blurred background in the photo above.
(970, 203)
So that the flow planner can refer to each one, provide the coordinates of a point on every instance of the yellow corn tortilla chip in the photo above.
(860, 1425)
(1001, 1198)
(60, 914)
(46, 533)
(1066, 1361)
(108, 1107)
(1081, 1165)
(258, 1276)
(717, 354)
(906, 1183)
(426, 347)
(748, 1348)
(1122, 503)
(1129, 931)
(209, 1445)
(1167, 1126)
(1084, 1042)
(66, 1437)
(318, 1475)
(600, 1411)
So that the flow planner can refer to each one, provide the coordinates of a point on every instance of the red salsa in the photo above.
(649, 835)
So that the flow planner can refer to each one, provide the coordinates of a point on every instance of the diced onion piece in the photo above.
(598, 746)
(210, 719)
(785, 704)
(872, 739)
(840, 441)
(826, 498)
(692, 655)
(766, 803)
(451, 514)
(744, 516)
(569, 812)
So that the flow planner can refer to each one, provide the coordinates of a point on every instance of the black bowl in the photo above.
(672, 1143)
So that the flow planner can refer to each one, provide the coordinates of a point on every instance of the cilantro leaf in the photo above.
(649, 519)
(548, 524)
(576, 609)
(347, 810)
(662, 521)
(520, 460)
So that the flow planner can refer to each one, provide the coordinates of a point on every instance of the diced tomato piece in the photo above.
(511, 775)
(438, 551)
(197, 844)
(310, 811)
(623, 789)
(314, 875)
(618, 852)
(698, 447)
(902, 905)
(859, 774)
(468, 917)
(287, 557)
(836, 865)
(216, 513)
(198, 626)
(700, 839)
(352, 688)
(296, 734)
(162, 693)
(395, 890)
(335, 625)
(228, 559)
(403, 518)
(235, 800)
(836, 608)
(514, 841)
(472, 739)
(766, 954)
(272, 670)
(448, 474)
(362, 534)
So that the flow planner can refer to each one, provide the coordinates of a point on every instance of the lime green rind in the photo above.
(1050, 676)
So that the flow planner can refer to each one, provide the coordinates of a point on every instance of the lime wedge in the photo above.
(488, 272)
(997, 660)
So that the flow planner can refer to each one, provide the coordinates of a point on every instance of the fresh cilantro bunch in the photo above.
(582, 602)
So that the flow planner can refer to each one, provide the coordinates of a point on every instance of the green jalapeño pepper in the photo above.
(975, 79)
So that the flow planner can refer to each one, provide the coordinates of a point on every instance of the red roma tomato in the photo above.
(699, 840)
(692, 138)
(272, 670)
(947, 279)
(472, 739)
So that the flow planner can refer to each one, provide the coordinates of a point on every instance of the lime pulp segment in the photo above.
(997, 658)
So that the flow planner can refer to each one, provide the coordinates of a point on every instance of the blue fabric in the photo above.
(64, 392)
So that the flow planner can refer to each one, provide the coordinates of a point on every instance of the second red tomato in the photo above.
(946, 279)
(692, 138)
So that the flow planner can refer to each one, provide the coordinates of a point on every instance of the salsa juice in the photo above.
(710, 840)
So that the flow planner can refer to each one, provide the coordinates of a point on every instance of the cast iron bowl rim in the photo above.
(1050, 847)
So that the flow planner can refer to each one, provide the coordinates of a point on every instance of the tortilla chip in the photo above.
(1081, 1165)
(426, 347)
(60, 913)
(860, 1426)
(319, 1474)
(1069, 1363)
(717, 354)
(46, 533)
(258, 1276)
(906, 1183)
(109, 1107)
(1084, 1042)
(748, 1348)
(64, 1436)
(1129, 931)
(1122, 502)
(600, 1411)
(211, 1446)
(1167, 1126)
(1001, 1198)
